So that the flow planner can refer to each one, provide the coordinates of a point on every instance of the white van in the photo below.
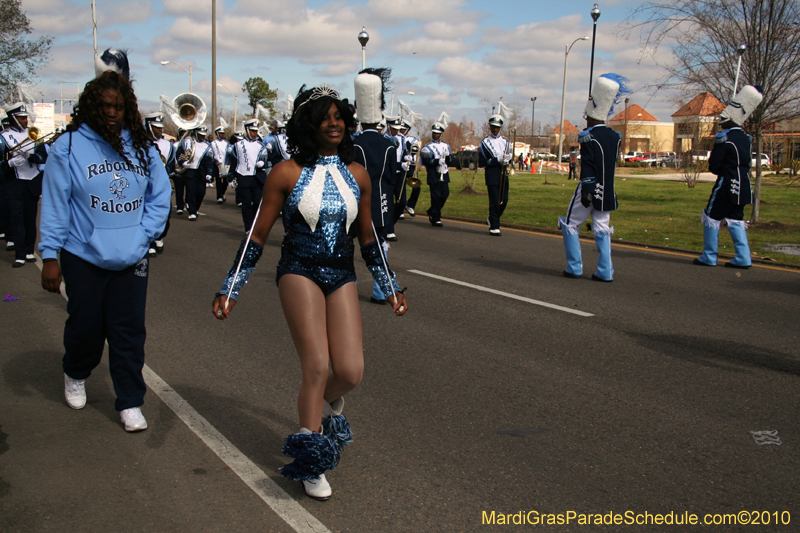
(765, 160)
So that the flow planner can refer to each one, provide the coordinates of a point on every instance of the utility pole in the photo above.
(213, 66)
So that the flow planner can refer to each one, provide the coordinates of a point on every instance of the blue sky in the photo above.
(457, 56)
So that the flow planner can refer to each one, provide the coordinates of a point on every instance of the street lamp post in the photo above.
(563, 96)
(235, 104)
(740, 52)
(533, 114)
(363, 38)
(595, 15)
(189, 71)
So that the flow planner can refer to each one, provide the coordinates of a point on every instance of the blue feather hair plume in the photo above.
(621, 92)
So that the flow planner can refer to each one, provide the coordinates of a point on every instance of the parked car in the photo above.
(765, 160)
(630, 155)
(545, 155)
(700, 155)
(565, 157)
(464, 158)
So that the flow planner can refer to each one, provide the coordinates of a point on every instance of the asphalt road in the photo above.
(473, 402)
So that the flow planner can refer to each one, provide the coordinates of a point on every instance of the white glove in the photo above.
(185, 164)
(269, 146)
(404, 165)
(17, 161)
(259, 164)
(209, 179)
(408, 158)
(506, 158)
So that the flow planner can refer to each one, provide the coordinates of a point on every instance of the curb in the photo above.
(551, 231)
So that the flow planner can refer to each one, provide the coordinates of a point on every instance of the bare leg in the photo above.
(345, 342)
(304, 307)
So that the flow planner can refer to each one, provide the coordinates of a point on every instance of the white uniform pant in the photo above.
(577, 215)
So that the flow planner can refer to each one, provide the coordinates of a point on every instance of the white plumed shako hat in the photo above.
(606, 93)
(496, 120)
(742, 105)
(370, 86)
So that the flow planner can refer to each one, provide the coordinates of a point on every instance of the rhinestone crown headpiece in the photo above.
(321, 91)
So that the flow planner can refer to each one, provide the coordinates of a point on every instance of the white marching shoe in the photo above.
(318, 488)
(133, 419)
(75, 392)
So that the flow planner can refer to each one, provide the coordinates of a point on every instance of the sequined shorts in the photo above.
(327, 279)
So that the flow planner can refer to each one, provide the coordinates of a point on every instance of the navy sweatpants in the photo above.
(106, 305)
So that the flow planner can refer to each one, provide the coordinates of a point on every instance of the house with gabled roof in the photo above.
(696, 123)
(641, 131)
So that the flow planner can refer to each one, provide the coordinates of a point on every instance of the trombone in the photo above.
(35, 139)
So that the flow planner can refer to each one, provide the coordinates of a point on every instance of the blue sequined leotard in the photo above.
(326, 199)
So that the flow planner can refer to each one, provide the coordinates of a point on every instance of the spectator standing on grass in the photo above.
(595, 196)
(730, 161)
(573, 165)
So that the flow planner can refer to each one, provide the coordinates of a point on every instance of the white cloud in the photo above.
(427, 47)
(338, 69)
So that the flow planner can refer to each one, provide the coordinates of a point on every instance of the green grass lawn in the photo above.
(651, 212)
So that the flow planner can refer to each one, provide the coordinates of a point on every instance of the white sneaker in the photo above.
(410, 211)
(192, 217)
(75, 392)
(159, 246)
(133, 419)
(494, 232)
(318, 488)
(402, 216)
(30, 258)
(220, 200)
(9, 246)
(151, 252)
(391, 237)
(179, 212)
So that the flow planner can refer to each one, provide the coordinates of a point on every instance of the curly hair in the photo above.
(305, 122)
(89, 111)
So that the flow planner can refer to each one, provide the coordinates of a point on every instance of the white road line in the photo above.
(284, 506)
(501, 293)
(278, 499)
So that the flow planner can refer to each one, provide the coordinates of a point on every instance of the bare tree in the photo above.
(706, 34)
(19, 55)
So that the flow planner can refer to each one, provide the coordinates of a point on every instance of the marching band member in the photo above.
(276, 144)
(106, 196)
(323, 194)
(415, 191)
(730, 160)
(23, 185)
(436, 157)
(247, 159)
(219, 150)
(595, 195)
(399, 182)
(375, 152)
(198, 169)
(178, 179)
(495, 154)
(154, 125)
(5, 231)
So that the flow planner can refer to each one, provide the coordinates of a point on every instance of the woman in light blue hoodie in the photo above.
(106, 195)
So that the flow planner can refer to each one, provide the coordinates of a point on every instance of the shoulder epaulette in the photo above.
(585, 136)
(721, 137)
